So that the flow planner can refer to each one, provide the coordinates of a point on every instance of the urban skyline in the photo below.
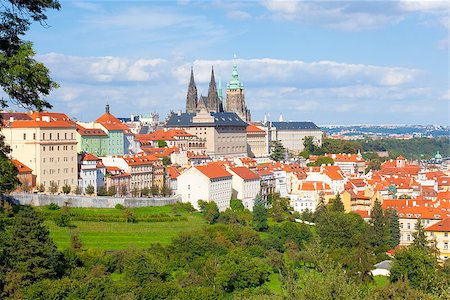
(327, 62)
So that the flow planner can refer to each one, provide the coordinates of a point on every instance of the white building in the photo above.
(208, 183)
(292, 134)
(308, 195)
(246, 185)
(91, 172)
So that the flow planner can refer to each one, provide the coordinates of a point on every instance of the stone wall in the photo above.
(88, 201)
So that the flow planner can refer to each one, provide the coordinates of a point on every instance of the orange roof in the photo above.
(400, 158)
(173, 172)
(213, 171)
(363, 213)
(21, 167)
(444, 195)
(163, 135)
(110, 122)
(334, 172)
(263, 172)
(313, 186)
(159, 152)
(421, 213)
(140, 160)
(90, 131)
(254, 129)
(90, 157)
(245, 173)
(443, 225)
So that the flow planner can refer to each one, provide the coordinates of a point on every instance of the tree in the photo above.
(420, 238)
(209, 210)
(380, 231)
(90, 189)
(309, 145)
(112, 190)
(78, 190)
(322, 160)
(336, 204)
(135, 192)
(27, 252)
(101, 191)
(166, 161)
(145, 191)
(394, 229)
(162, 144)
(321, 207)
(66, 189)
(8, 178)
(236, 205)
(75, 242)
(259, 214)
(278, 151)
(41, 188)
(53, 188)
(154, 190)
(123, 190)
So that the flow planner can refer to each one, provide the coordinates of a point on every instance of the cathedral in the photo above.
(235, 101)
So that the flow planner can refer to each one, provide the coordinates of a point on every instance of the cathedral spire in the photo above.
(213, 97)
(191, 98)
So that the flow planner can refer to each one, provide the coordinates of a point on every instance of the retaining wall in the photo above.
(88, 201)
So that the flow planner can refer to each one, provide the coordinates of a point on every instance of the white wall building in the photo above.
(246, 185)
(208, 183)
(91, 172)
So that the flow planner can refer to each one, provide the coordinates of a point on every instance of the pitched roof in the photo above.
(110, 122)
(213, 171)
(137, 160)
(295, 126)
(443, 225)
(164, 135)
(41, 120)
(90, 157)
(245, 173)
(173, 172)
(21, 167)
(254, 129)
(220, 119)
(313, 186)
(90, 131)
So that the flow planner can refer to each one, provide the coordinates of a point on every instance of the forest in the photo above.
(238, 254)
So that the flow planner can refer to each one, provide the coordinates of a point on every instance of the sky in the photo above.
(335, 62)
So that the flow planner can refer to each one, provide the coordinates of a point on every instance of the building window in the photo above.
(43, 136)
(408, 237)
(24, 136)
(34, 136)
(446, 245)
(409, 226)
(50, 136)
(57, 136)
(446, 234)
(65, 136)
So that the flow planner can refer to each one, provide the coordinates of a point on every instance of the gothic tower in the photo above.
(191, 98)
(235, 96)
(213, 97)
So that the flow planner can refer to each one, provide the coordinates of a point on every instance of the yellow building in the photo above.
(46, 142)
(439, 233)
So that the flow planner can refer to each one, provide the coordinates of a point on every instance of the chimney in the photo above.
(46, 118)
(11, 119)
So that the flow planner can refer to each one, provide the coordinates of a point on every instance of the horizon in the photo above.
(328, 62)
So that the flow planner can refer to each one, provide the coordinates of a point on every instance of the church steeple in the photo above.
(191, 98)
(213, 97)
(107, 108)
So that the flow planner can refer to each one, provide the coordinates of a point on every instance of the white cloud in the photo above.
(304, 88)
(238, 15)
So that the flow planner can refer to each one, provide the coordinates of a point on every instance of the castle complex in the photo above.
(235, 100)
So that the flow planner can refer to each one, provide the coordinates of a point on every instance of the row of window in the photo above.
(57, 171)
(58, 148)
(65, 181)
(52, 159)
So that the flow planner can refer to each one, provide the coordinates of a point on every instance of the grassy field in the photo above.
(121, 235)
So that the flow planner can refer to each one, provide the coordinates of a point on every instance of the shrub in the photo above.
(62, 220)
(112, 191)
(78, 190)
(53, 206)
(129, 216)
(66, 189)
(101, 191)
(53, 188)
(119, 206)
(90, 189)
(145, 192)
(41, 188)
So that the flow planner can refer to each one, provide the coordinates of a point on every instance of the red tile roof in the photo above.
(137, 160)
(443, 225)
(245, 173)
(90, 157)
(213, 171)
(313, 186)
(110, 122)
(90, 131)
(163, 135)
(21, 167)
(363, 213)
(254, 129)
(173, 172)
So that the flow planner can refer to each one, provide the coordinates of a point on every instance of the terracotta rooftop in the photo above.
(90, 157)
(443, 225)
(254, 129)
(245, 173)
(213, 171)
(110, 122)
(21, 167)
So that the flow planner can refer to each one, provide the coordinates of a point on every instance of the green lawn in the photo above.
(121, 235)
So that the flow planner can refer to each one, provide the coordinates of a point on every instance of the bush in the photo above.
(119, 206)
(41, 188)
(102, 191)
(90, 189)
(112, 191)
(53, 206)
(63, 220)
(145, 192)
(78, 190)
(129, 216)
(66, 189)
(53, 188)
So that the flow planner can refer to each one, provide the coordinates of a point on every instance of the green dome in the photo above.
(438, 156)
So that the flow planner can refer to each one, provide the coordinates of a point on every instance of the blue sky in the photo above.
(358, 62)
